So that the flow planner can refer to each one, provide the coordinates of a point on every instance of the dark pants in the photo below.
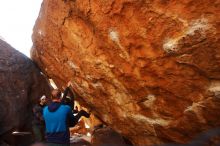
(80, 114)
(38, 132)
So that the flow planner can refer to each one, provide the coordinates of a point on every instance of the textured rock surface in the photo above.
(107, 137)
(150, 69)
(79, 141)
(21, 84)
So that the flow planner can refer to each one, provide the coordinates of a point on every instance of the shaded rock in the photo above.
(21, 84)
(208, 138)
(149, 69)
(79, 141)
(107, 137)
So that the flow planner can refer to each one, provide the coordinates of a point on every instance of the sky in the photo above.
(17, 21)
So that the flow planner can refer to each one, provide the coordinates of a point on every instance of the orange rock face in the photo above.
(150, 69)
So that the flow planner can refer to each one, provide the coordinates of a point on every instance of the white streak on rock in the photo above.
(98, 85)
(85, 84)
(151, 98)
(152, 121)
(114, 36)
(106, 118)
(111, 66)
(198, 25)
(53, 84)
(194, 107)
(201, 25)
(40, 32)
(89, 77)
(72, 65)
(215, 88)
(170, 45)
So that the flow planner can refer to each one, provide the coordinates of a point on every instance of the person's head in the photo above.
(43, 100)
(56, 94)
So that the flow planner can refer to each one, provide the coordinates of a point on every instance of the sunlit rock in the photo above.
(148, 69)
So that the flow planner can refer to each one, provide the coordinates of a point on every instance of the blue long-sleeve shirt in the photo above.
(57, 116)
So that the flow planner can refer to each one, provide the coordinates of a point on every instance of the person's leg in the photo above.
(80, 114)
(42, 130)
(37, 133)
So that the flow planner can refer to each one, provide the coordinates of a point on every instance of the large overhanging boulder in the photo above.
(21, 85)
(150, 69)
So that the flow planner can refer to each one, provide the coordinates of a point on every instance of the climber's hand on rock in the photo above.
(69, 84)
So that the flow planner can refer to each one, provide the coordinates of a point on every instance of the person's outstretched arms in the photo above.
(66, 91)
(72, 98)
(72, 120)
(71, 94)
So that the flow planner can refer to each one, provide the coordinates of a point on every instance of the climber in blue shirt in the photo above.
(57, 116)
